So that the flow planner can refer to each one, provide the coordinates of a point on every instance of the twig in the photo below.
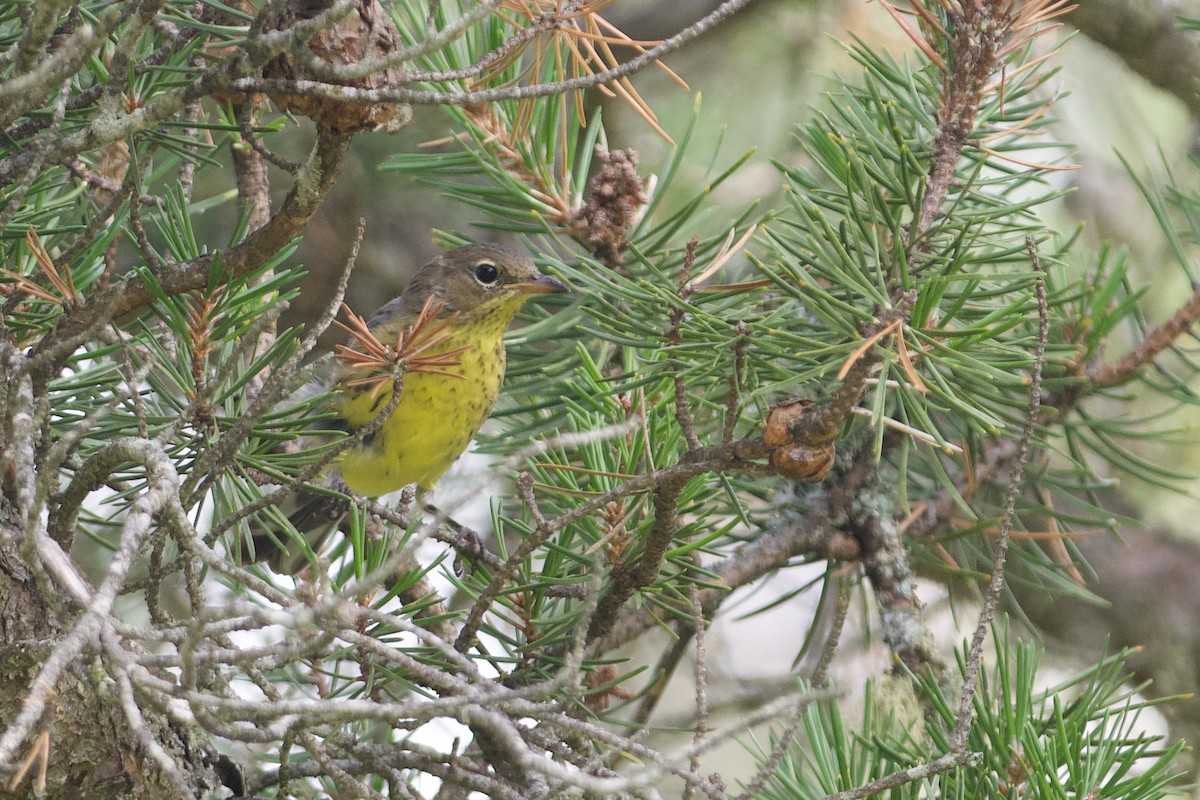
(250, 169)
(693, 463)
(1151, 346)
(403, 57)
(245, 122)
(459, 98)
(19, 93)
(103, 132)
(134, 717)
(674, 336)
(820, 681)
(886, 564)
(962, 724)
(15, 200)
(900, 777)
(729, 424)
(700, 624)
(974, 58)
(812, 534)
(820, 678)
(628, 578)
(661, 674)
(271, 392)
(164, 486)
(37, 30)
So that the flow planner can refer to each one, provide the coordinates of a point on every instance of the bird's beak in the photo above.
(540, 284)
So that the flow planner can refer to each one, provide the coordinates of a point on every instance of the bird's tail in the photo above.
(304, 522)
(287, 536)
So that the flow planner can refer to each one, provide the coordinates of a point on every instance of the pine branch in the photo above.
(1152, 345)
(962, 724)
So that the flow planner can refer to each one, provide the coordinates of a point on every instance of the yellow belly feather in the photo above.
(436, 418)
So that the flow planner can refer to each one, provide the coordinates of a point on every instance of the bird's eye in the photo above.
(486, 273)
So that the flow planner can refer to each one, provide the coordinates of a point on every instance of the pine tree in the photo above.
(901, 369)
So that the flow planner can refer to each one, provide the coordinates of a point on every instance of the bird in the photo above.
(464, 299)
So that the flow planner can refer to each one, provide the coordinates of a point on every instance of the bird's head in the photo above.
(479, 280)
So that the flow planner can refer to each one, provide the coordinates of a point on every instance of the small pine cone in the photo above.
(803, 463)
(366, 34)
(777, 430)
(616, 198)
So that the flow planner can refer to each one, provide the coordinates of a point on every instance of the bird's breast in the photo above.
(437, 416)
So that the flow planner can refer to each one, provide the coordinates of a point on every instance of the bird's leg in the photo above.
(465, 541)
